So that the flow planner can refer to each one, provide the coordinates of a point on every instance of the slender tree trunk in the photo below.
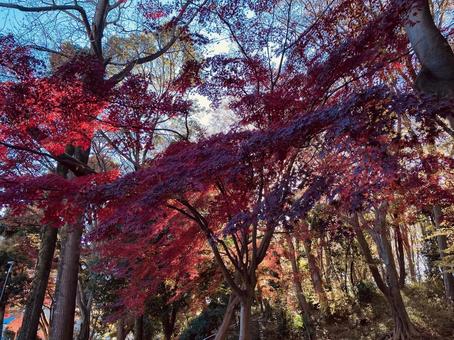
(316, 277)
(304, 306)
(66, 290)
(372, 264)
(138, 328)
(44, 324)
(400, 257)
(84, 302)
(408, 251)
(2, 317)
(227, 319)
(35, 300)
(245, 317)
(448, 278)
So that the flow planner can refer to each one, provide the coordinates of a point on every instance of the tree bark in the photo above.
(433, 52)
(121, 332)
(62, 327)
(403, 327)
(138, 328)
(2, 317)
(448, 278)
(65, 296)
(316, 277)
(168, 319)
(222, 332)
(400, 257)
(245, 317)
(365, 249)
(408, 251)
(35, 300)
(304, 306)
(84, 302)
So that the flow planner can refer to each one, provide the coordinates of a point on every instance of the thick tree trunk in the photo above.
(62, 327)
(222, 332)
(316, 277)
(448, 278)
(66, 290)
(431, 48)
(433, 52)
(245, 317)
(138, 328)
(168, 319)
(35, 300)
(121, 331)
(304, 306)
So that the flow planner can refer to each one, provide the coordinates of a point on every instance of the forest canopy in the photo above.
(210, 169)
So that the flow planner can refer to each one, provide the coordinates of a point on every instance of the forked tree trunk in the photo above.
(223, 330)
(403, 327)
(304, 306)
(65, 296)
(35, 300)
(316, 277)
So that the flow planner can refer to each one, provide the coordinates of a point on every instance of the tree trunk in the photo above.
(316, 277)
(2, 317)
(84, 302)
(222, 332)
(168, 319)
(62, 327)
(448, 278)
(121, 332)
(138, 328)
(245, 318)
(371, 262)
(400, 257)
(403, 327)
(408, 251)
(44, 324)
(66, 290)
(35, 301)
(304, 306)
(433, 52)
